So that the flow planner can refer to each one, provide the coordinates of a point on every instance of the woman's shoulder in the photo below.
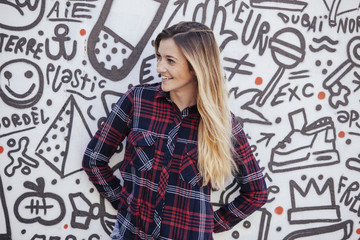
(146, 91)
(146, 86)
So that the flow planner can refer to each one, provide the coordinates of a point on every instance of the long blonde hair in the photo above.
(215, 150)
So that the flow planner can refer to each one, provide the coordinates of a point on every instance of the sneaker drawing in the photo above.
(306, 145)
(120, 35)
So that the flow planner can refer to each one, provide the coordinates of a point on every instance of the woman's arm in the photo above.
(253, 191)
(104, 144)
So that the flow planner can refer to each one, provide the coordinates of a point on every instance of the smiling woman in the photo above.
(182, 141)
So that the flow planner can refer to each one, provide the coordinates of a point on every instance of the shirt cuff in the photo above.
(219, 224)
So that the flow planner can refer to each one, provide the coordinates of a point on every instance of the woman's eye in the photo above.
(171, 61)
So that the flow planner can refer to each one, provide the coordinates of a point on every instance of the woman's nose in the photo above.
(160, 68)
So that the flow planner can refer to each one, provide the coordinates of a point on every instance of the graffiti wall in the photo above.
(293, 74)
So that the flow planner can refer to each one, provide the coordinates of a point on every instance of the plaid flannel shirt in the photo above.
(162, 196)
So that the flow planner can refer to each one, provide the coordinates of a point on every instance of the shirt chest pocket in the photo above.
(143, 149)
(189, 169)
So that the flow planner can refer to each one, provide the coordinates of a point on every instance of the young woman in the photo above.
(182, 142)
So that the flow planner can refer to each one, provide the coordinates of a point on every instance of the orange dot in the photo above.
(279, 210)
(1, 149)
(258, 81)
(82, 32)
(321, 95)
(341, 134)
(358, 231)
(66, 226)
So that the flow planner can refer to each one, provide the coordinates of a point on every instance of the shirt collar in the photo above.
(161, 94)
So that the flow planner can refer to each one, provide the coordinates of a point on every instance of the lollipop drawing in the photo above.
(338, 92)
(120, 35)
(287, 50)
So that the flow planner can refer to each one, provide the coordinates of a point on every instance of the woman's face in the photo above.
(174, 69)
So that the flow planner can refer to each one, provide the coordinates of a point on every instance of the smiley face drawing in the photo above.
(21, 83)
(21, 15)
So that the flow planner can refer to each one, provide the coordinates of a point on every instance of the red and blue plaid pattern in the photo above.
(162, 196)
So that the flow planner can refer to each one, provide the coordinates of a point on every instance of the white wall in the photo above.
(294, 81)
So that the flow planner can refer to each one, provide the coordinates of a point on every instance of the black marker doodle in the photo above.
(356, 81)
(61, 32)
(21, 84)
(339, 92)
(28, 14)
(299, 74)
(353, 164)
(58, 142)
(228, 193)
(148, 64)
(272, 189)
(288, 50)
(18, 44)
(333, 12)
(343, 230)
(89, 113)
(77, 11)
(313, 203)
(350, 197)
(323, 46)
(350, 117)
(181, 4)
(39, 206)
(277, 56)
(108, 99)
(23, 120)
(261, 39)
(233, 4)
(250, 115)
(241, 9)
(286, 54)
(255, 228)
(20, 157)
(44, 237)
(267, 137)
(337, 8)
(5, 229)
(84, 211)
(218, 26)
(239, 63)
(77, 79)
(287, 5)
(114, 31)
(307, 145)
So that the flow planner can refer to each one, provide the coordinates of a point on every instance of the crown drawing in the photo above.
(314, 203)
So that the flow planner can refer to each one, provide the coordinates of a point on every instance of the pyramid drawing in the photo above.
(64, 143)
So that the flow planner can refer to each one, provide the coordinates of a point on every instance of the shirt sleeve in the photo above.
(104, 144)
(253, 191)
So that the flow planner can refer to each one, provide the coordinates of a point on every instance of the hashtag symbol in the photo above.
(239, 63)
(36, 206)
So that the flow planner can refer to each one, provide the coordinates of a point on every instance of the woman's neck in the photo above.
(183, 99)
